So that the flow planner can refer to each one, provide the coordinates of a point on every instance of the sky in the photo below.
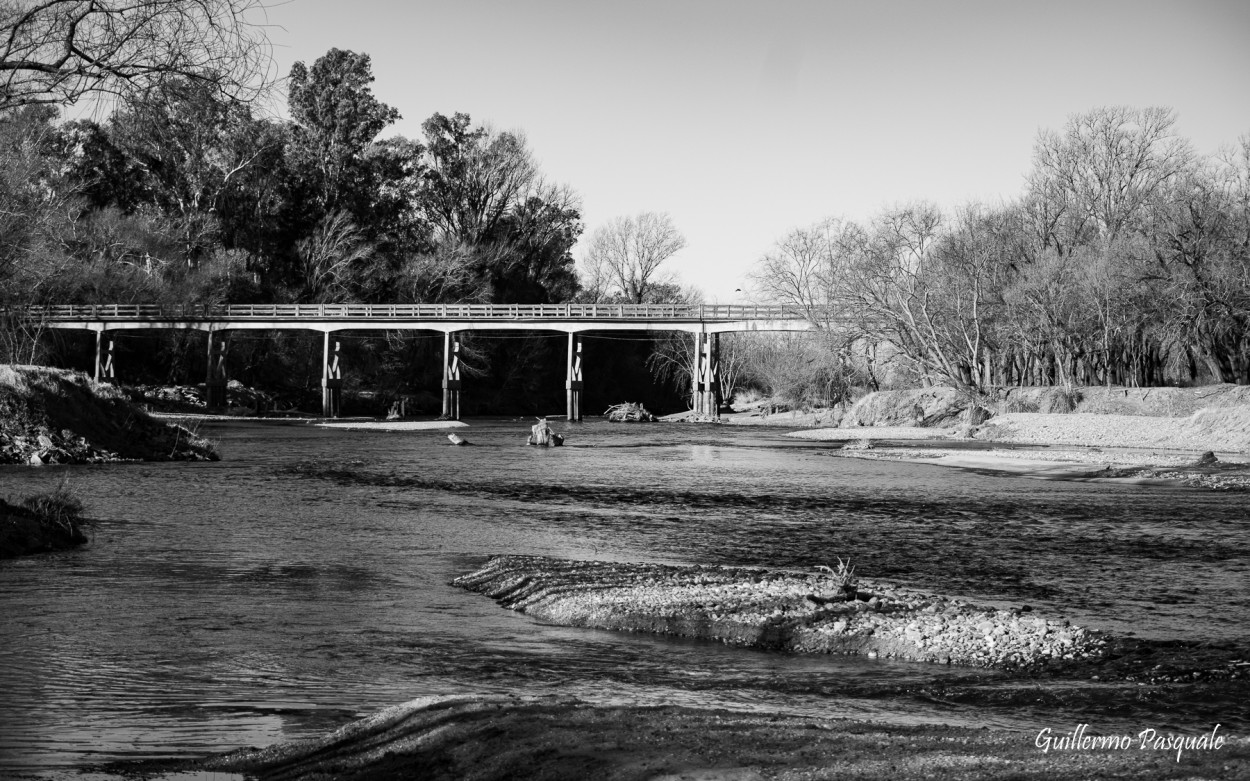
(746, 120)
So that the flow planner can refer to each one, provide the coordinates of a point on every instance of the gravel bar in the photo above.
(796, 612)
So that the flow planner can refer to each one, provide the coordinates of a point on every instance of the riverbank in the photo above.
(479, 737)
(55, 416)
(1139, 434)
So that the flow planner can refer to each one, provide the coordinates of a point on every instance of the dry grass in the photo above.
(843, 577)
(1060, 400)
(60, 508)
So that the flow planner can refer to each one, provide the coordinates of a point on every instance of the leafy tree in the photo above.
(337, 118)
(475, 178)
(533, 251)
(192, 149)
(502, 234)
(93, 167)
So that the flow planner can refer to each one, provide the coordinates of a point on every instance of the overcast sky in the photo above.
(744, 120)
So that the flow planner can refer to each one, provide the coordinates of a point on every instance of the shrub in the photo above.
(1017, 404)
(843, 578)
(1059, 400)
(60, 508)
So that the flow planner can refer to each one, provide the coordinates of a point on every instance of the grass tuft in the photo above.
(843, 577)
(59, 508)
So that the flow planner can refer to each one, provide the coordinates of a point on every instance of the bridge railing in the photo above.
(474, 312)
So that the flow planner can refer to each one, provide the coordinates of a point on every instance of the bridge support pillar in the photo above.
(697, 396)
(573, 382)
(705, 376)
(215, 381)
(331, 377)
(451, 376)
(104, 371)
(711, 376)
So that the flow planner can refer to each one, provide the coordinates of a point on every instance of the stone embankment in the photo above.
(804, 613)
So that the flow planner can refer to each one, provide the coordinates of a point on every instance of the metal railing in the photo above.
(425, 312)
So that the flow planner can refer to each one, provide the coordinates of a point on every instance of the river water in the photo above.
(302, 582)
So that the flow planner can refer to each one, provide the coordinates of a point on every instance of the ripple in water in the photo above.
(303, 582)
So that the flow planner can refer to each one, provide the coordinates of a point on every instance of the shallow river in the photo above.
(303, 582)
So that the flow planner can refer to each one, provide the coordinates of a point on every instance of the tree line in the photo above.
(187, 192)
(183, 195)
(1126, 261)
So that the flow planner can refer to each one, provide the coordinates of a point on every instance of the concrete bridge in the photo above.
(704, 321)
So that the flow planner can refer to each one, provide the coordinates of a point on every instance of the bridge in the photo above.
(704, 321)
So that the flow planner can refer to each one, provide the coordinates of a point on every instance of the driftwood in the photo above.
(542, 435)
(628, 413)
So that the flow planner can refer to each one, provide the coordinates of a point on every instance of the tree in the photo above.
(1100, 175)
(624, 256)
(534, 243)
(808, 269)
(193, 149)
(338, 118)
(492, 217)
(57, 51)
(476, 177)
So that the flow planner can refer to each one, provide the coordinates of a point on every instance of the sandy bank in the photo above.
(395, 425)
(481, 737)
(1224, 430)
(803, 613)
(1215, 418)
(1073, 446)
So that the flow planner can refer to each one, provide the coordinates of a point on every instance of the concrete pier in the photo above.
(451, 376)
(331, 377)
(705, 396)
(573, 381)
(104, 369)
(215, 380)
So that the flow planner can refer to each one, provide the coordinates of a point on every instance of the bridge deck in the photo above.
(438, 317)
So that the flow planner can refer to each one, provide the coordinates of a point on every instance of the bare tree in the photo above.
(57, 51)
(1100, 174)
(809, 269)
(625, 255)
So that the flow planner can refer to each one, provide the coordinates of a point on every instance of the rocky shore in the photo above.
(54, 416)
(803, 613)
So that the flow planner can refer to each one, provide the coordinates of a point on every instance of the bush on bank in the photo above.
(45, 522)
